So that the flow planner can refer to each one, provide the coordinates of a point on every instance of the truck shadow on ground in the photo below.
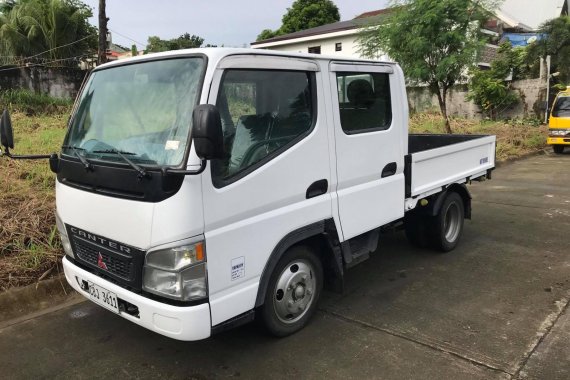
(483, 300)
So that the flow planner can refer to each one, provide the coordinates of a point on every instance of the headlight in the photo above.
(174, 259)
(63, 236)
(558, 132)
(178, 273)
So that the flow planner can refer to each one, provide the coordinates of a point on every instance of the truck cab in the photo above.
(199, 189)
(559, 122)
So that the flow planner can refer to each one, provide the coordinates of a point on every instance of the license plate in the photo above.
(103, 297)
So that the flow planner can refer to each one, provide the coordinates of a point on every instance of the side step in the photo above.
(358, 249)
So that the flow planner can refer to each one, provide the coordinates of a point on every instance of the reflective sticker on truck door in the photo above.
(238, 268)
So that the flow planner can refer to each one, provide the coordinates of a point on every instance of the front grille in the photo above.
(120, 267)
(107, 258)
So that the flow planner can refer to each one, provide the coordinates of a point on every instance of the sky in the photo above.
(228, 22)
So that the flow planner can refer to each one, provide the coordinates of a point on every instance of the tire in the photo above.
(558, 149)
(293, 292)
(447, 226)
(417, 229)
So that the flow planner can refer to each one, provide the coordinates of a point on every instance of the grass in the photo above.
(29, 244)
(515, 138)
(29, 102)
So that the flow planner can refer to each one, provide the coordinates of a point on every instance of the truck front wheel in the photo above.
(558, 149)
(293, 292)
(448, 223)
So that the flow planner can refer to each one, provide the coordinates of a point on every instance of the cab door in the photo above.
(369, 134)
(275, 178)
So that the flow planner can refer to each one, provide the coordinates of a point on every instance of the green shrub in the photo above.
(31, 103)
(489, 89)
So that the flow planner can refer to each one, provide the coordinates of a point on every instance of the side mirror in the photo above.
(7, 141)
(6, 133)
(207, 132)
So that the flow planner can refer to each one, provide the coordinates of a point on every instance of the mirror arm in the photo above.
(24, 157)
(202, 167)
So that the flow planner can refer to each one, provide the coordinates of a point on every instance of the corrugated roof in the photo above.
(374, 13)
(532, 12)
(358, 22)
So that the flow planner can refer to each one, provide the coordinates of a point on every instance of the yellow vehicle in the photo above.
(559, 126)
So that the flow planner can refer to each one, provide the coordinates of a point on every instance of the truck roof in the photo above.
(216, 54)
(565, 92)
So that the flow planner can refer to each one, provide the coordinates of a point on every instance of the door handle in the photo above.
(389, 169)
(317, 188)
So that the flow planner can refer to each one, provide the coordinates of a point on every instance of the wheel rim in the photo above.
(294, 291)
(452, 222)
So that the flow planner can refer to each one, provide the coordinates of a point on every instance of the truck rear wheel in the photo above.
(447, 226)
(558, 149)
(293, 292)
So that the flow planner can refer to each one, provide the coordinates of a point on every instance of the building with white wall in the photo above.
(339, 38)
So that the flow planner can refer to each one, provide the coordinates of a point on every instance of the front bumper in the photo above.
(558, 141)
(181, 323)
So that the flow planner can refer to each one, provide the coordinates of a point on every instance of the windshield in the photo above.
(561, 107)
(143, 110)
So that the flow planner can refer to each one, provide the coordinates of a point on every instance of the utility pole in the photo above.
(102, 56)
(547, 88)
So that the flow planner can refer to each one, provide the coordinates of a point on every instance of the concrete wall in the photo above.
(59, 83)
(531, 94)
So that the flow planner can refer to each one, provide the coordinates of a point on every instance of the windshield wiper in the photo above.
(86, 164)
(142, 172)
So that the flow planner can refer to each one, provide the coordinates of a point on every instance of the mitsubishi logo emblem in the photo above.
(100, 263)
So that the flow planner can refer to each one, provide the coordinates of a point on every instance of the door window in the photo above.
(263, 112)
(561, 107)
(364, 102)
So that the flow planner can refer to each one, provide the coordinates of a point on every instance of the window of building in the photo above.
(364, 102)
(315, 50)
(264, 112)
(338, 46)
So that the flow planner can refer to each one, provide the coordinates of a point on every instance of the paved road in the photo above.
(495, 308)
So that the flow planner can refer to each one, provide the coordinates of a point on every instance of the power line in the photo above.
(59, 47)
(46, 63)
(128, 38)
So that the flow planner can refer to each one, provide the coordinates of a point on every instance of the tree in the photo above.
(266, 34)
(304, 14)
(185, 41)
(134, 50)
(489, 89)
(556, 43)
(46, 29)
(435, 42)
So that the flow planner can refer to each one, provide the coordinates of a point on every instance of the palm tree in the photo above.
(51, 30)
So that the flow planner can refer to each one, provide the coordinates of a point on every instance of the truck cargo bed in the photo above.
(435, 161)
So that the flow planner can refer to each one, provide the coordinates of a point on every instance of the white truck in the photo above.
(197, 189)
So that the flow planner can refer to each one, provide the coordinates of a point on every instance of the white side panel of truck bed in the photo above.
(434, 168)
